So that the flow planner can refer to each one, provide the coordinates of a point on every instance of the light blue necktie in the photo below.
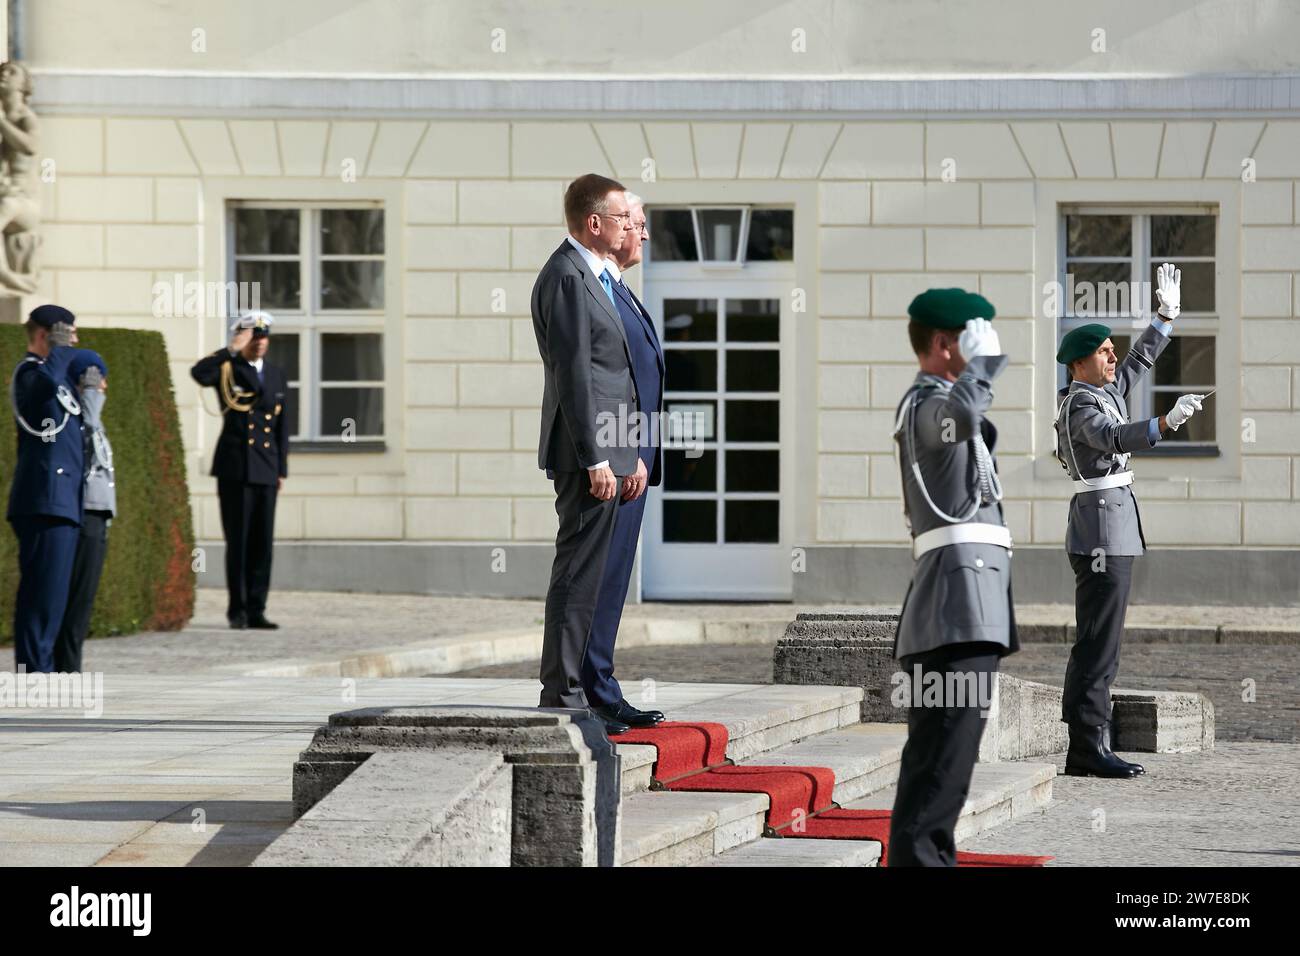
(609, 289)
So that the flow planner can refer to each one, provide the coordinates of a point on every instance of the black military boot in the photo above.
(1105, 743)
(1088, 756)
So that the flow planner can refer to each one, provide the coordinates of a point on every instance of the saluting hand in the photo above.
(240, 339)
(978, 338)
(1169, 282)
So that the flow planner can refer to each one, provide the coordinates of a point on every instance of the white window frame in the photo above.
(1200, 324)
(310, 321)
(688, 268)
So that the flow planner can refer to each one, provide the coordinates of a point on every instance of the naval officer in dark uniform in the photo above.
(251, 461)
(45, 500)
(957, 618)
(1094, 439)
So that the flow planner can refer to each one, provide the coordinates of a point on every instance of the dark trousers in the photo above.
(92, 548)
(586, 527)
(942, 747)
(47, 547)
(1100, 603)
(248, 520)
(598, 666)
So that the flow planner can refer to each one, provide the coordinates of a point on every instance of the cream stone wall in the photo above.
(475, 205)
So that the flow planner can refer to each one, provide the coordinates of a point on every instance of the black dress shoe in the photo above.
(613, 727)
(1105, 742)
(238, 622)
(629, 711)
(259, 622)
(627, 716)
(1087, 757)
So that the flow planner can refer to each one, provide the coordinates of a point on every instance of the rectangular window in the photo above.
(1108, 274)
(718, 235)
(319, 269)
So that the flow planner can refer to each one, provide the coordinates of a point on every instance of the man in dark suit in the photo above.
(588, 397)
(250, 463)
(45, 500)
(602, 689)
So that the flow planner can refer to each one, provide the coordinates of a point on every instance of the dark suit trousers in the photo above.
(598, 666)
(1100, 603)
(942, 747)
(92, 548)
(248, 520)
(47, 547)
(586, 528)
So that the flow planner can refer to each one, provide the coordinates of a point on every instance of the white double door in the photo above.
(717, 528)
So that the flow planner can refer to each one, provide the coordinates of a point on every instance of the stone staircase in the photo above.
(797, 726)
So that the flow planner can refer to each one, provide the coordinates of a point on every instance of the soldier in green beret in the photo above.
(1094, 439)
(957, 618)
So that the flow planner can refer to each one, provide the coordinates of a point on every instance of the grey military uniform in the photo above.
(960, 593)
(1094, 439)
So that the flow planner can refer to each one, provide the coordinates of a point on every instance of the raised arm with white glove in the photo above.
(978, 338)
(1169, 291)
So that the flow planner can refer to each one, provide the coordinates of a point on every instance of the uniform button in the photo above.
(250, 441)
(979, 562)
(267, 428)
(266, 444)
(268, 418)
(58, 471)
(1101, 501)
(250, 426)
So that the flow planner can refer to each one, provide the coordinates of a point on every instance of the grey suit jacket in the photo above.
(1095, 439)
(589, 396)
(961, 592)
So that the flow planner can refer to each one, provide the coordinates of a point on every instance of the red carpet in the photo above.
(694, 757)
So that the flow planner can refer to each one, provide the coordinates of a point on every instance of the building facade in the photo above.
(388, 177)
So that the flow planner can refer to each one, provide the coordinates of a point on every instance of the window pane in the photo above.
(771, 235)
(351, 285)
(1098, 235)
(753, 521)
(691, 320)
(690, 370)
(1187, 361)
(687, 520)
(351, 357)
(720, 233)
(266, 232)
(364, 406)
(753, 421)
(1197, 285)
(683, 473)
(690, 422)
(1173, 236)
(672, 235)
(283, 351)
(1098, 288)
(274, 284)
(290, 410)
(753, 470)
(346, 232)
(753, 371)
(753, 320)
(1198, 428)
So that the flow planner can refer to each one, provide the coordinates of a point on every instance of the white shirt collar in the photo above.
(256, 363)
(594, 262)
(612, 268)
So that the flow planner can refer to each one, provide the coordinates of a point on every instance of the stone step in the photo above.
(673, 828)
(758, 718)
(799, 852)
(999, 792)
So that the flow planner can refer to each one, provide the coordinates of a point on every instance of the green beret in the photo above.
(949, 309)
(1082, 342)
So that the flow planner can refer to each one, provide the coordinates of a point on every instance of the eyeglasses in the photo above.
(624, 220)
(639, 226)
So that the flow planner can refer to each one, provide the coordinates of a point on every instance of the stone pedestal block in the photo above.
(843, 649)
(564, 807)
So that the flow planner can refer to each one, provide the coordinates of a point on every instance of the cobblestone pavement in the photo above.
(1216, 670)
(1237, 805)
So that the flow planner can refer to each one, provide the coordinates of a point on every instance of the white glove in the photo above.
(978, 339)
(1169, 293)
(1184, 408)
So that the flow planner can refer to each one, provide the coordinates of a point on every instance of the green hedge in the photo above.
(148, 583)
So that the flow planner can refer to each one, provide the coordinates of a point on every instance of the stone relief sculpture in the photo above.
(19, 208)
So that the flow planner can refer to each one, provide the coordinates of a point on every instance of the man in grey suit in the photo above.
(957, 619)
(588, 445)
(1094, 439)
